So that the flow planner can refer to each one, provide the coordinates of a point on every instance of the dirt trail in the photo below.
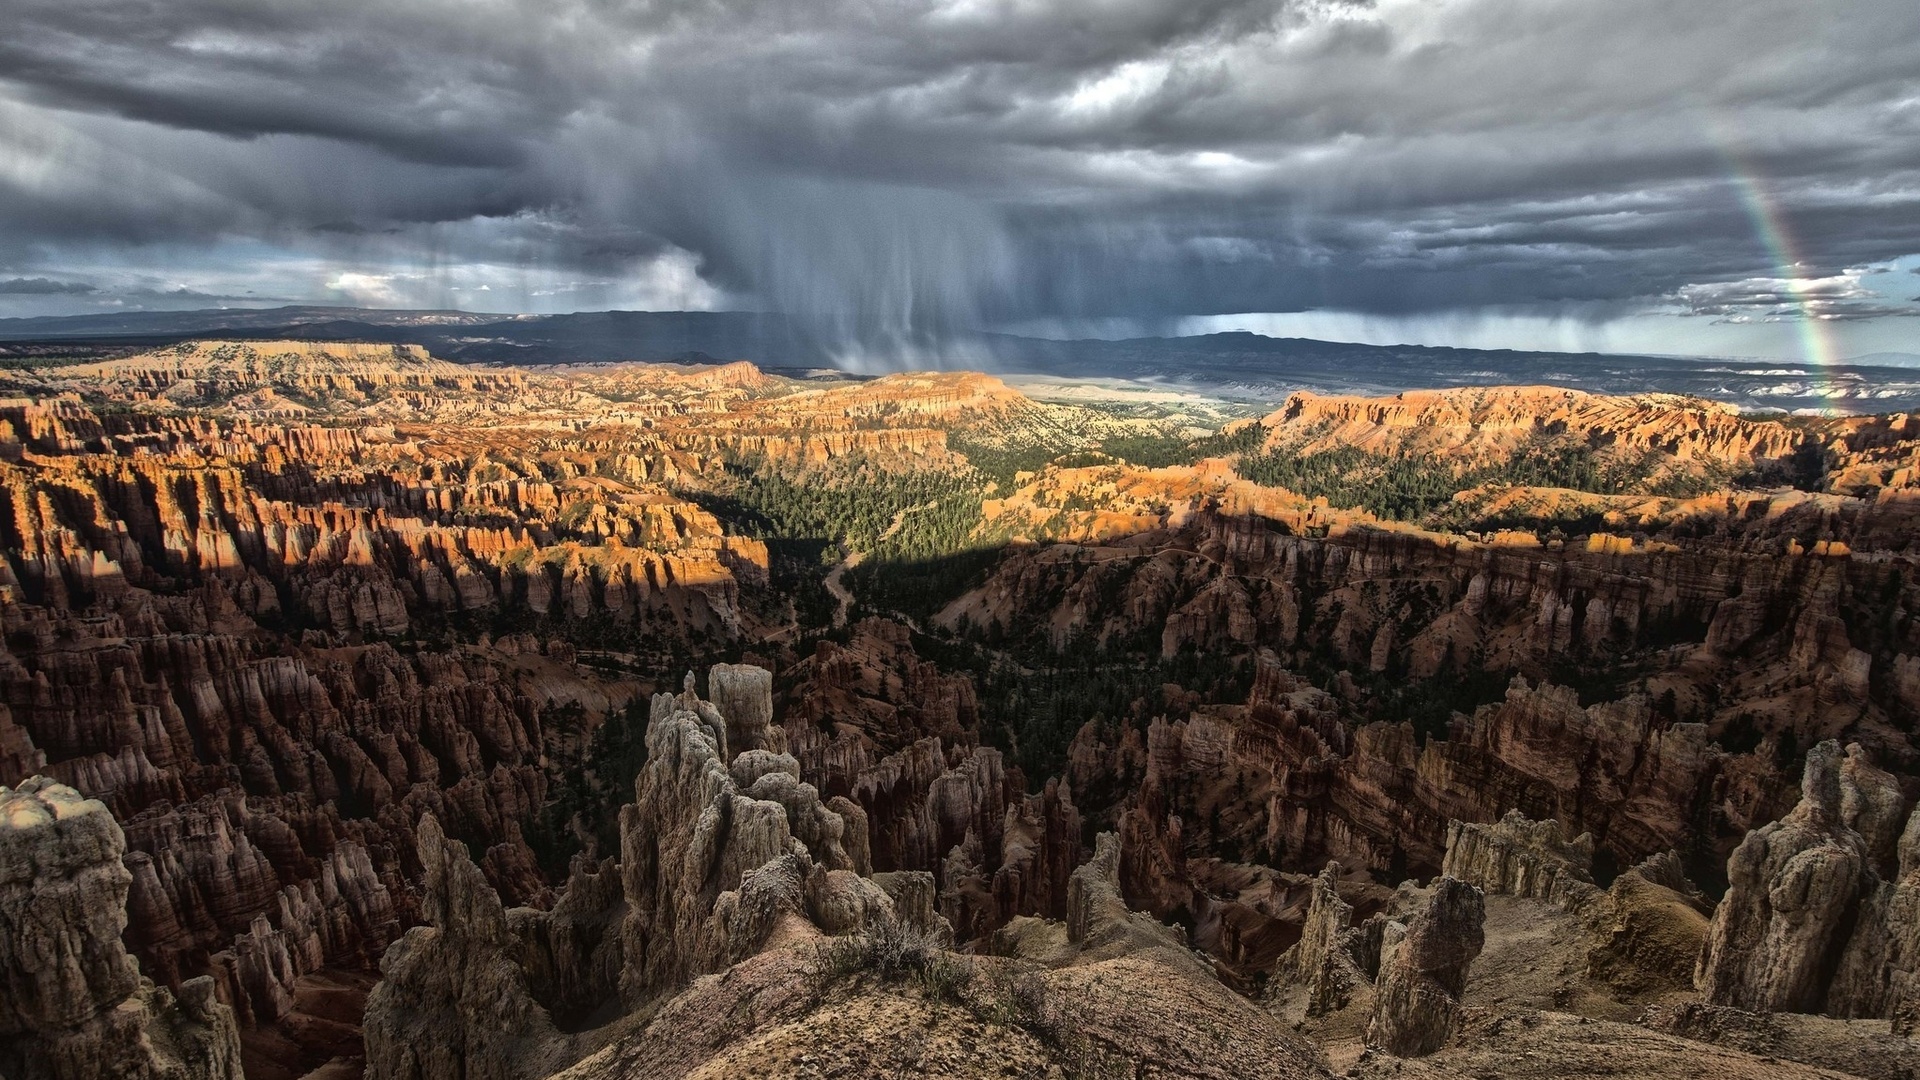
(837, 588)
(835, 582)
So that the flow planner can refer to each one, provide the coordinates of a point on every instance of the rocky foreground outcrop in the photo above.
(1423, 971)
(1335, 959)
(743, 938)
(1822, 912)
(74, 1005)
(717, 856)
(1111, 993)
(454, 999)
(1643, 933)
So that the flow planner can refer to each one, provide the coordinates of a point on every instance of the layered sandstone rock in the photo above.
(1626, 771)
(75, 1005)
(1474, 424)
(1763, 616)
(288, 785)
(895, 738)
(220, 368)
(1809, 923)
(1336, 960)
(1423, 973)
(452, 1001)
(1518, 857)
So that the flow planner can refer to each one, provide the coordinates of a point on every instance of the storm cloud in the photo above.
(913, 166)
(40, 286)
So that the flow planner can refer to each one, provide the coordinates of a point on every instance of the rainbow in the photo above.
(1817, 345)
(1771, 226)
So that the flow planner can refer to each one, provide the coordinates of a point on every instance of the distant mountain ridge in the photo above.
(1234, 363)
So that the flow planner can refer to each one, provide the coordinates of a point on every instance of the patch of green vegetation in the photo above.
(1034, 699)
(920, 587)
(1409, 487)
(589, 797)
(1429, 704)
(1159, 451)
(1000, 464)
(884, 513)
(891, 951)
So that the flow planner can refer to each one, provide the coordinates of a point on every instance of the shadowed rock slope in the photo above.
(745, 940)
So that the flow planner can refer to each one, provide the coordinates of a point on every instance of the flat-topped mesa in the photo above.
(628, 378)
(1481, 424)
(74, 1005)
(226, 367)
(936, 395)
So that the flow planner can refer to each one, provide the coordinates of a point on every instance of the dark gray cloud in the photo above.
(909, 166)
(39, 286)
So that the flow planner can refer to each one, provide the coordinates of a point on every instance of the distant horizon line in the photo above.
(1864, 359)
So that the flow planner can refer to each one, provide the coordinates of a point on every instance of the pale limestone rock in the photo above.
(1099, 922)
(744, 695)
(1871, 804)
(572, 953)
(1794, 889)
(687, 837)
(854, 833)
(716, 853)
(1333, 957)
(452, 1003)
(1879, 975)
(1903, 934)
(913, 894)
(1518, 857)
(74, 1005)
(1417, 996)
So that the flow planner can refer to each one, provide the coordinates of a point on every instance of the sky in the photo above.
(1729, 177)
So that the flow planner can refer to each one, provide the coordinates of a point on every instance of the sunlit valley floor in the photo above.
(672, 721)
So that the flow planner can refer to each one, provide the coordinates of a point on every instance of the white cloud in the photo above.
(364, 290)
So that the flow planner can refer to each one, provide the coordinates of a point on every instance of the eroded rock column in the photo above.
(1794, 890)
(72, 1003)
(1417, 999)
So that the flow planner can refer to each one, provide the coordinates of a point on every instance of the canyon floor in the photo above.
(407, 718)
